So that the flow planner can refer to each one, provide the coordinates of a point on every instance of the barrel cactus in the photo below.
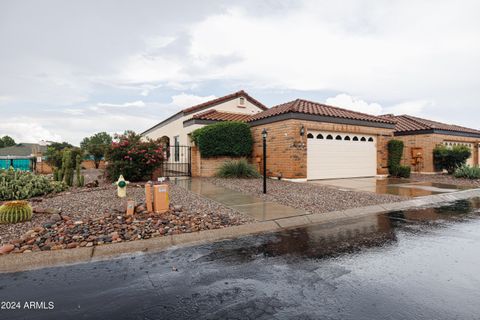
(15, 211)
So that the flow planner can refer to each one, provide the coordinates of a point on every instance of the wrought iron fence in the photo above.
(178, 161)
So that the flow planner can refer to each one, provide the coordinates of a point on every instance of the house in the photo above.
(310, 140)
(22, 156)
(176, 130)
(421, 136)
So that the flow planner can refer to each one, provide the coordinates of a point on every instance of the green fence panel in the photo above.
(22, 164)
(4, 164)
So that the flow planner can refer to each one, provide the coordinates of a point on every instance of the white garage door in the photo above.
(340, 155)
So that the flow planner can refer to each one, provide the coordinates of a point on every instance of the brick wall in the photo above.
(287, 149)
(206, 167)
(428, 142)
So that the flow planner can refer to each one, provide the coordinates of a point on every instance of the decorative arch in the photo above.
(370, 139)
(347, 138)
(338, 137)
(329, 137)
(363, 139)
(319, 136)
(355, 138)
(309, 136)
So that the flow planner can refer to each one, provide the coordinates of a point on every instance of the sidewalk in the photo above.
(255, 207)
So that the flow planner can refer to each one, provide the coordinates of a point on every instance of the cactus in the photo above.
(67, 167)
(78, 162)
(15, 211)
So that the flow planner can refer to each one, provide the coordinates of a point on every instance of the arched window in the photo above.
(309, 136)
(363, 139)
(338, 137)
(329, 137)
(355, 138)
(319, 136)
(346, 138)
(370, 139)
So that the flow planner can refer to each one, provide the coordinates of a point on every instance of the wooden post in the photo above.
(148, 197)
(160, 198)
(130, 207)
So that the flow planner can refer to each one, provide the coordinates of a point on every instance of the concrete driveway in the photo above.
(396, 186)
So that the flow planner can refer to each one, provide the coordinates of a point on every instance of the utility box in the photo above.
(161, 202)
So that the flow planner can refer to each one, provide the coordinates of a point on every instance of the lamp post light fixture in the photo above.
(264, 138)
(302, 131)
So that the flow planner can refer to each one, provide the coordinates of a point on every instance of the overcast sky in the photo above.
(69, 69)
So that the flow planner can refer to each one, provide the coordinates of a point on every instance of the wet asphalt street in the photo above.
(417, 264)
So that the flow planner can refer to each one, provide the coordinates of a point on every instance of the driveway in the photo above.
(395, 186)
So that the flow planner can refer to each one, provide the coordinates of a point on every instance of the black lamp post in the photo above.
(264, 138)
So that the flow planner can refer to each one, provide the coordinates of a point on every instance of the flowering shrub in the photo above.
(132, 157)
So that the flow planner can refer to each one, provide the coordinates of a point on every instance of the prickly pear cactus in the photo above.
(15, 211)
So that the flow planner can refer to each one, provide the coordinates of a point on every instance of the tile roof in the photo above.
(314, 108)
(215, 115)
(231, 96)
(406, 123)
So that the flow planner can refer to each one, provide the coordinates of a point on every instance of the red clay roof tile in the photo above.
(215, 115)
(234, 95)
(406, 123)
(314, 108)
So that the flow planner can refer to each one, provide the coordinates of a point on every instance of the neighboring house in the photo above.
(309, 140)
(22, 156)
(421, 136)
(176, 130)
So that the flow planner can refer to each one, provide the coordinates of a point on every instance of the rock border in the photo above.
(43, 259)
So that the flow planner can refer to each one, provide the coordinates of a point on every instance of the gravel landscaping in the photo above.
(310, 197)
(86, 217)
(446, 179)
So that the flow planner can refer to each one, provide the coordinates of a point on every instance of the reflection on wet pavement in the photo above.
(415, 264)
(395, 186)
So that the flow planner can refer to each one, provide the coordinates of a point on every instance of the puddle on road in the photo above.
(413, 264)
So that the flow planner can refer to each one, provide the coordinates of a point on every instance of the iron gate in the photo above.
(178, 161)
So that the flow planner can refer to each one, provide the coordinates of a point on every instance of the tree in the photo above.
(1, 143)
(97, 145)
(54, 153)
(7, 141)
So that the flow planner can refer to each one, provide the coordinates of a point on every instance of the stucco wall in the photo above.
(176, 127)
(428, 142)
(287, 149)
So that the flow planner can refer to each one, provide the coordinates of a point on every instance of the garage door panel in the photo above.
(328, 159)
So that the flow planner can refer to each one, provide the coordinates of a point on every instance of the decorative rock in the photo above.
(56, 217)
(89, 244)
(177, 208)
(6, 248)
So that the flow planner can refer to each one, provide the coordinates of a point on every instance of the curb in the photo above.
(37, 260)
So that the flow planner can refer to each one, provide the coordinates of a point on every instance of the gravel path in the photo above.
(310, 197)
(83, 204)
(445, 178)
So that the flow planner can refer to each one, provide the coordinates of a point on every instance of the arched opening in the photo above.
(319, 136)
(355, 138)
(309, 136)
(338, 137)
(370, 139)
(363, 139)
(346, 138)
(329, 137)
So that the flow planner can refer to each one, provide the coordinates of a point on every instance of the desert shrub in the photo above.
(467, 172)
(450, 158)
(132, 157)
(395, 153)
(17, 185)
(237, 169)
(231, 139)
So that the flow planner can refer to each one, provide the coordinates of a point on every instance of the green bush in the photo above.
(18, 185)
(403, 171)
(395, 153)
(134, 158)
(230, 139)
(467, 172)
(450, 158)
(237, 169)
